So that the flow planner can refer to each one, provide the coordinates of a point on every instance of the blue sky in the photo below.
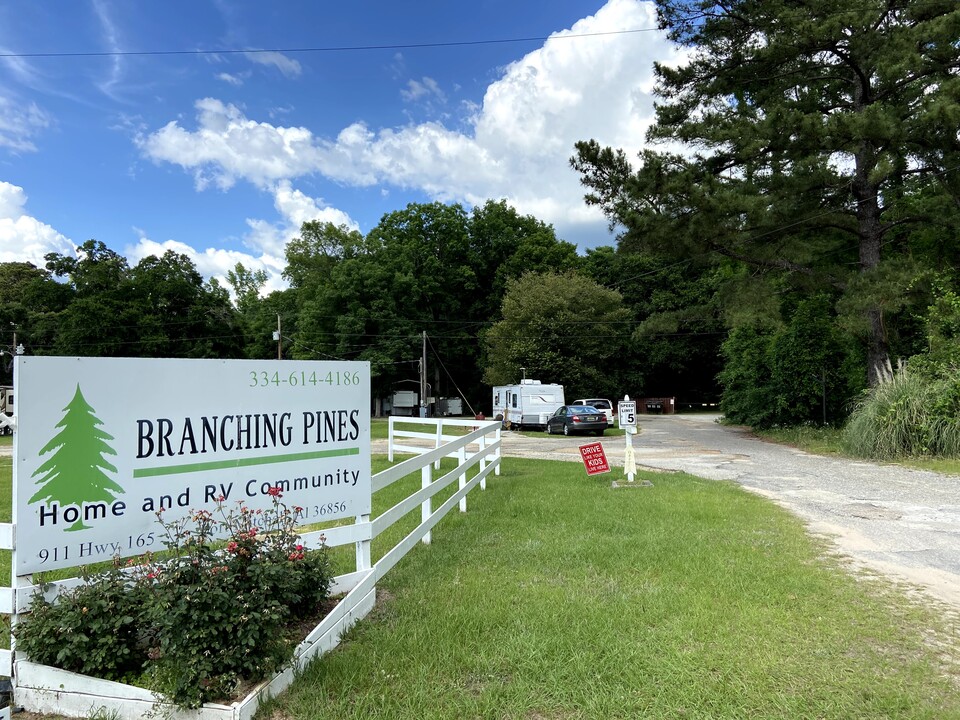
(147, 139)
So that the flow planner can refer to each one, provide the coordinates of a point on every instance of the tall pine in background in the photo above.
(801, 133)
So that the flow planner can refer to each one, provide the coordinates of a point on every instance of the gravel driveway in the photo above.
(903, 523)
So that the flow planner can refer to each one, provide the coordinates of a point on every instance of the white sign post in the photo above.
(627, 412)
(104, 443)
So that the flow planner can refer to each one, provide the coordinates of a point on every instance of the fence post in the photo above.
(426, 507)
(497, 455)
(482, 445)
(461, 461)
(363, 547)
(436, 464)
(390, 438)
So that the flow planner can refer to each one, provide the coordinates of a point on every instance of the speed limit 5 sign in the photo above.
(627, 410)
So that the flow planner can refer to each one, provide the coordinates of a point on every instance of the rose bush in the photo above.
(197, 620)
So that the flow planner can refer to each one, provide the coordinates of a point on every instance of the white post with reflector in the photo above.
(627, 419)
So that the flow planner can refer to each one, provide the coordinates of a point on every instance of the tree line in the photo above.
(787, 240)
(495, 291)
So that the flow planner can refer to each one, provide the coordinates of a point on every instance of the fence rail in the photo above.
(397, 435)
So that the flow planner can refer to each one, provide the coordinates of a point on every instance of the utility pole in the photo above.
(423, 378)
(823, 386)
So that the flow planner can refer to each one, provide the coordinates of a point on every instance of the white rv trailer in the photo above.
(6, 407)
(528, 404)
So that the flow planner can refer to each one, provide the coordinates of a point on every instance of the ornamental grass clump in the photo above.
(915, 414)
(211, 612)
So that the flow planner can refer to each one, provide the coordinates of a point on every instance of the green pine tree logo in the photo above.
(74, 474)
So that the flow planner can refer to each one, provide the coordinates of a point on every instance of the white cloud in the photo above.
(235, 80)
(211, 263)
(419, 89)
(288, 66)
(294, 208)
(523, 134)
(266, 240)
(21, 69)
(229, 146)
(111, 41)
(19, 124)
(24, 238)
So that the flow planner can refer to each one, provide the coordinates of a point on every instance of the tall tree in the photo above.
(246, 285)
(319, 247)
(30, 302)
(371, 299)
(506, 244)
(258, 316)
(159, 308)
(565, 329)
(97, 320)
(674, 348)
(173, 313)
(808, 123)
(427, 267)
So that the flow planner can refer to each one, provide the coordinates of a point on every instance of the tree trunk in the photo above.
(879, 369)
(866, 193)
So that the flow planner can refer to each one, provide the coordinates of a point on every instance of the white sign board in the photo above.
(103, 443)
(627, 412)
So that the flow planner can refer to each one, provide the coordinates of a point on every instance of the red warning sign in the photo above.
(594, 458)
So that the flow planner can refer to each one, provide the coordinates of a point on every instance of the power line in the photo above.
(324, 48)
(439, 360)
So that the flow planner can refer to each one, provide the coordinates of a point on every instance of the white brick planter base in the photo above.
(45, 689)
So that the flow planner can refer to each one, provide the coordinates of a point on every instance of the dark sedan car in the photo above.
(574, 419)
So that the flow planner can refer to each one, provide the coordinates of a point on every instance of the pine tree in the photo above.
(74, 474)
(806, 127)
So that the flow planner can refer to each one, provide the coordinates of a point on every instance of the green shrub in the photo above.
(812, 376)
(747, 390)
(912, 415)
(93, 629)
(802, 373)
(218, 611)
(206, 616)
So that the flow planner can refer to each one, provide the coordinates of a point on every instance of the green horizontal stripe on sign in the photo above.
(242, 462)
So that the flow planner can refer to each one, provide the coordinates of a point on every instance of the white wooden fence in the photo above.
(44, 689)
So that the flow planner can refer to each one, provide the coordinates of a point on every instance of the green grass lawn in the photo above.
(6, 515)
(379, 428)
(556, 596)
